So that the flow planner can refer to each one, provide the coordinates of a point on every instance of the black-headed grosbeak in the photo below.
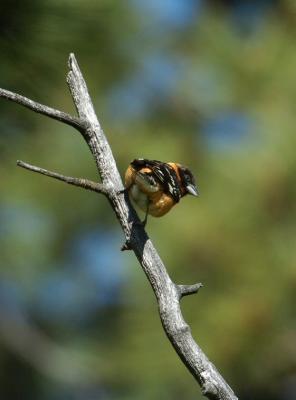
(157, 186)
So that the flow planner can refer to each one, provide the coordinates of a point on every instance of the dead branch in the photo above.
(167, 293)
(80, 182)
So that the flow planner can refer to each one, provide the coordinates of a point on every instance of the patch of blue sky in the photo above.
(205, 87)
(157, 71)
(66, 298)
(138, 95)
(91, 278)
(25, 224)
(61, 297)
(227, 130)
(168, 14)
(96, 258)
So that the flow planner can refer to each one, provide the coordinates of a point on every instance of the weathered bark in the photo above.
(167, 293)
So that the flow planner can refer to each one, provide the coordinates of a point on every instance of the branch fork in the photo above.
(167, 293)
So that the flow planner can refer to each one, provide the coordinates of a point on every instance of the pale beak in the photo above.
(192, 190)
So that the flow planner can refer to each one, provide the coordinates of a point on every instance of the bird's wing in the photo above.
(164, 173)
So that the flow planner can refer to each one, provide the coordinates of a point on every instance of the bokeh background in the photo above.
(210, 84)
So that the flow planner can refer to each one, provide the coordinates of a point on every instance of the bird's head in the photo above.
(188, 181)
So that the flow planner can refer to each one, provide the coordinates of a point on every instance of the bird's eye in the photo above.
(189, 178)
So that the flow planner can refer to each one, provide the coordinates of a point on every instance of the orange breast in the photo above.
(160, 204)
(129, 176)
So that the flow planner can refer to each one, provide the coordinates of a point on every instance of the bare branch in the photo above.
(167, 293)
(81, 182)
(42, 109)
(186, 290)
(94, 134)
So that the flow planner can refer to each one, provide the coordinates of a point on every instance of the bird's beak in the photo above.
(191, 189)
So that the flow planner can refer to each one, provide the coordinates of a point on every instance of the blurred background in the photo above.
(210, 84)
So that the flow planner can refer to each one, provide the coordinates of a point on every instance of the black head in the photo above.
(188, 181)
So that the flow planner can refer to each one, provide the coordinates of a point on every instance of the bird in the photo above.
(156, 186)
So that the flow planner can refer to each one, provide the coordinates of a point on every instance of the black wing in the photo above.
(164, 173)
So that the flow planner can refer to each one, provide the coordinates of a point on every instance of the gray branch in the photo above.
(80, 182)
(167, 293)
(185, 290)
(42, 109)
